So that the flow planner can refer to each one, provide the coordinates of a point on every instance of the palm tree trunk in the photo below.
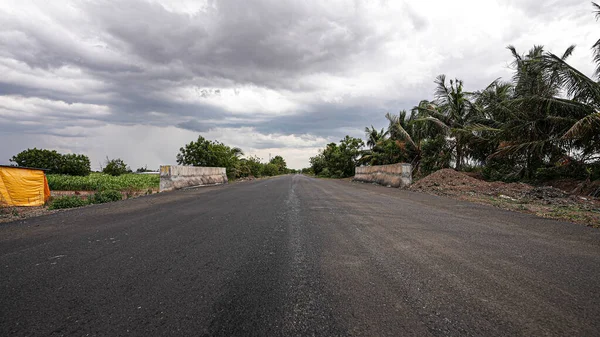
(459, 155)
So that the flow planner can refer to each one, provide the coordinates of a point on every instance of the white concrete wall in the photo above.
(395, 175)
(173, 177)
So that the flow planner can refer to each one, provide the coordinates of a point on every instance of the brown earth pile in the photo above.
(451, 182)
(448, 182)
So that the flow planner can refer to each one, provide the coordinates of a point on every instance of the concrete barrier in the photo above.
(395, 175)
(174, 177)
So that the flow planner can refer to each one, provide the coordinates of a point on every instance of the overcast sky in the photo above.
(139, 79)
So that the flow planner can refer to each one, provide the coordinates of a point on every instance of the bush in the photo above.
(106, 196)
(115, 167)
(67, 202)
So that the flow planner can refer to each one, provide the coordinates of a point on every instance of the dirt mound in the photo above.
(546, 201)
(448, 180)
(451, 182)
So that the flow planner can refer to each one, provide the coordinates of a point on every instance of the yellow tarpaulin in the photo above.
(23, 187)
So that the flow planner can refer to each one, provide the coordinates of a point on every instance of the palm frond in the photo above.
(476, 127)
(441, 91)
(402, 133)
(568, 52)
(516, 55)
(577, 85)
(437, 122)
(236, 151)
(586, 126)
(511, 148)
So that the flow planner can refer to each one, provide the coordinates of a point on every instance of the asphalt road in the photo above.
(296, 256)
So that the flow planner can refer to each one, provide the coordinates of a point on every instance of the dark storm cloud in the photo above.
(138, 48)
(194, 125)
(326, 121)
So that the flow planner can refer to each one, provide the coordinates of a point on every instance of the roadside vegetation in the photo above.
(203, 152)
(103, 181)
(77, 201)
(73, 184)
(542, 124)
(541, 127)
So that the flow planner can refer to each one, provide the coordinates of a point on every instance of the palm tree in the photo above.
(452, 112)
(585, 94)
(493, 112)
(374, 136)
(537, 113)
(407, 136)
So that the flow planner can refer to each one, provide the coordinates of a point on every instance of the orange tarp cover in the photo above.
(23, 187)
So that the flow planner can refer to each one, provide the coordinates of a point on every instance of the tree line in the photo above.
(68, 164)
(543, 123)
(203, 152)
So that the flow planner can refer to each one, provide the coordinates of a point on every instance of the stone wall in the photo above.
(395, 175)
(174, 177)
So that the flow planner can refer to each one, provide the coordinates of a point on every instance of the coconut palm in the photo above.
(374, 136)
(407, 135)
(453, 112)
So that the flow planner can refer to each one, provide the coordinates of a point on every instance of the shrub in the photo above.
(115, 167)
(106, 196)
(67, 202)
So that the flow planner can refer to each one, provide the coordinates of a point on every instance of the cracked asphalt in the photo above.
(297, 256)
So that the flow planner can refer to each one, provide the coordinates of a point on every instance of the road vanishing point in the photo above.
(297, 256)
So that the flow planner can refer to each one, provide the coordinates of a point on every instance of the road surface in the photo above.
(297, 256)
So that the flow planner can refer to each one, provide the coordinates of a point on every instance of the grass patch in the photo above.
(106, 196)
(67, 202)
(103, 182)
(76, 201)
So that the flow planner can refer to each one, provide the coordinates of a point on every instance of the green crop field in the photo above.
(101, 182)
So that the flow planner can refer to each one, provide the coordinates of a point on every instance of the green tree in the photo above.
(54, 162)
(374, 137)
(280, 163)
(270, 170)
(115, 167)
(251, 167)
(338, 161)
(39, 158)
(452, 111)
(210, 154)
(552, 114)
(317, 163)
(75, 165)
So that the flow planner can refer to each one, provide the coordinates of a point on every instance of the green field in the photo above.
(101, 182)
